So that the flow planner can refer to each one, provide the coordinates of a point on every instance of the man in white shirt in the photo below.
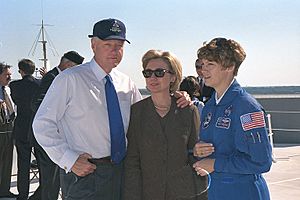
(72, 123)
(48, 170)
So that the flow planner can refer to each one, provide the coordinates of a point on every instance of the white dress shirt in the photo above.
(72, 119)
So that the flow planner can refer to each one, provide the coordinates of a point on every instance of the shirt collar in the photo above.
(97, 70)
(59, 70)
(216, 96)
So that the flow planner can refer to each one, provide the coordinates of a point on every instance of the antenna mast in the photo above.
(43, 35)
(44, 42)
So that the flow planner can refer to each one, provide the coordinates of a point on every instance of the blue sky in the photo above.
(268, 30)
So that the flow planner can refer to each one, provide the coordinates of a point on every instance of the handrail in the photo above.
(284, 112)
(286, 129)
(271, 137)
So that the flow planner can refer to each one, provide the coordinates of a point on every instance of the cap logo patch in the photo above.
(115, 27)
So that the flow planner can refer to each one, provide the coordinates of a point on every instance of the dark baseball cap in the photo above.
(110, 29)
(74, 57)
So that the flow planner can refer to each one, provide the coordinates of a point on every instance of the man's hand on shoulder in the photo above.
(183, 99)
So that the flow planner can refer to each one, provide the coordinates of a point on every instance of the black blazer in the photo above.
(44, 86)
(22, 92)
(206, 93)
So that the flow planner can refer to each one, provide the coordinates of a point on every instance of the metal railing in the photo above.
(292, 130)
(285, 112)
(270, 134)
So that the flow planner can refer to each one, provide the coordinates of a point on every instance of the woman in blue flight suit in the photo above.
(234, 146)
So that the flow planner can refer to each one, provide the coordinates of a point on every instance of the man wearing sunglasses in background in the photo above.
(87, 118)
(205, 91)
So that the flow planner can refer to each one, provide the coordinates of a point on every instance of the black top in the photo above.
(22, 92)
(44, 86)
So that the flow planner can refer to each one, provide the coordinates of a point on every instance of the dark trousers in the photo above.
(6, 155)
(104, 183)
(24, 158)
(24, 150)
(48, 174)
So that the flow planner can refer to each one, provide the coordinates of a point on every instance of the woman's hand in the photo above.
(204, 166)
(202, 149)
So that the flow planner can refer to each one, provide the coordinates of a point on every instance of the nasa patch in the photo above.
(207, 120)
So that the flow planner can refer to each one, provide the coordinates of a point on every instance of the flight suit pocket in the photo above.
(257, 147)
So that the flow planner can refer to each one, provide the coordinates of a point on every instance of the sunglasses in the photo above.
(199, 66)
(158, 72)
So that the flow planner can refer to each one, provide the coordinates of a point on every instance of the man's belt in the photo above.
(96, 161)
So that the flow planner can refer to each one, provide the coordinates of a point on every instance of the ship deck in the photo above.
(283, 179)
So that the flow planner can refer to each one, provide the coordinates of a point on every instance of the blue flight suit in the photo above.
(236, 127)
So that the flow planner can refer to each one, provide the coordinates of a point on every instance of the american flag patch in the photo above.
(253, 120)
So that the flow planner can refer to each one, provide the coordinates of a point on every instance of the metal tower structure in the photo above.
(43, 38)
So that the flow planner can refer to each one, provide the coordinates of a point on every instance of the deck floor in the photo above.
(283, 179)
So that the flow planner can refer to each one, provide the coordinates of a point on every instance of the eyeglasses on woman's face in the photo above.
(157, 72)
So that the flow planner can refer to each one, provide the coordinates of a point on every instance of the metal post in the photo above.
(271, 137)
(43, 41)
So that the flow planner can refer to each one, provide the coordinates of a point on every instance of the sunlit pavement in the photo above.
(283, 179)
(33, 184)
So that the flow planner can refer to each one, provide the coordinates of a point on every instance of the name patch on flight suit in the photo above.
(223, 122)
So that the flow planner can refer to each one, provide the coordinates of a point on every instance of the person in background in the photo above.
(205, 91)
(7, 116)
(160, 136)
(234, 145)
(22, 92)
(192, 87)
(49, 171)
(69, 59)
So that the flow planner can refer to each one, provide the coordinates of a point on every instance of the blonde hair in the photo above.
(172, 62)
(224, 51)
